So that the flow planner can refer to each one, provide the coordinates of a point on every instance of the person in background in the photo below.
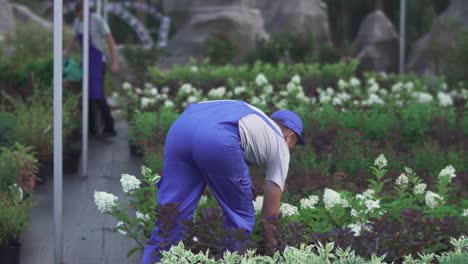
(99, 33)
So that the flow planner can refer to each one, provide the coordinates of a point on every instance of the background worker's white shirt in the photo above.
(264, 147)
(98, 30)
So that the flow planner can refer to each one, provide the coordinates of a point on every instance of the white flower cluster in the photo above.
(465, 212)
(144, 217)
(309, 202)
(358, 228)
(129, 183)
(366, 199)
(18, 190)
(331, 198)
(120, 225)
(239, 90)
(373, 99)
(217, 93)
(420, 188)
(261, 80)
(448, 172)
(288, 210)
(105, 202)
(423, 98)
(444, 99)
(433, 199)
(258, 204)
(203, 200)
(402, 180)
(380, 162)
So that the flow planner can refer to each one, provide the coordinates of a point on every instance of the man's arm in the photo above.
(70, 46)
(270, 215)
(112, 51)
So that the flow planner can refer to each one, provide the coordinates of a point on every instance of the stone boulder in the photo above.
(297, 16)
(441, 38)
(241, 25)
(376, 44)
(7, 20)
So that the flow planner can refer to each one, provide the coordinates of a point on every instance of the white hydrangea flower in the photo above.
(374, 99)
(356, 102)
(324, 98)
(444, 99)
(105, 202)
(432, 199)
(126, 86)
(383, 92)
(203, 200)
(283, 93)
(344, 203)
(217, 93)
(138, 91)
(409, 86)
(144, 217)
(119, 227)
(153, 91)
(371, 81)
(336, 101)
(309, 202)
(331, 198)
(288, 210)
(168, 103)
(380, 162)
(448, 171)
(397, 87)
(420, 188)
(343, 96)
(186, 89)
(255, 100)
(296, 79)
(115, 95)
(354, 82)
(371, 205)
(423, 98)
(268, 89)
(342, 84)
(330, 91)
(194, 69)
(129, 183)
(356, 229)
(369, 193)
(354, 213)
(261, 80)
(408, 170)
(465, 212)
(402, 180)
(145, 102)
(192, 99)
(282, 104)
(165, 90)
(239, 89)
(258, 204)
(374, 88)
(17, 189)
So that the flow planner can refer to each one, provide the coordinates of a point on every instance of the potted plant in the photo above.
(14, 219)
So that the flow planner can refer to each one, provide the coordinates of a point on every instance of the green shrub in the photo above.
(14, 218)
(8, 169)
(350, 153)
(415, 121)
(377, 122)
(139, 59)
(219, 49)
(7, 129)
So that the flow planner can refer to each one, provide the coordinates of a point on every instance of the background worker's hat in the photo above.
(290, 120)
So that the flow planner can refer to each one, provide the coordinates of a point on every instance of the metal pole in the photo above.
(99, 7)
(58, 203)
(402, 35)
(85, 45)
(104, 11)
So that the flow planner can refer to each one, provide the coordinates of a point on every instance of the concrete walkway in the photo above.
(88, 237)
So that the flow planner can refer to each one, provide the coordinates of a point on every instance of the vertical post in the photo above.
(99, 7)
(402, 35)
(104, 10)
(58, 205)
(85, 45)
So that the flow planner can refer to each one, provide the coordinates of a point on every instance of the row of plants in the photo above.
(392, 221)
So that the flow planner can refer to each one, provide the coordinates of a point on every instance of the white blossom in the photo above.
(342, 84)
(186, 89)
(144, 217)
(309, 202)
(18, 190)
(402, 180)
(129, 183)
(258, 204)
(355, 82)
(255, 100)
(195, 239)
(194, 69)
(165, 90)
(126, 86)
(153, 91)
(105, 202)
(423, 98)
(344, 203)
(409, 86)
(282, 104)
(371, 205)
(354, 213)
(420, 188)
(373, 99)
(168, 103)
(261, 80)
(356, 229)
(432, 199)
(371, 81)
(138, 91)
(296, 79)
(448, 171)
(336, 101)
(331, 198)
(465, 212)
(374, 88)
(268, 89)
(330, 91)
(288, 210)
(396, 88)
(238, 90)
(192, 99)
(217, 93)
(203, 200)
(119, 228)
(380, 161)
(145, 102)
(444, 99)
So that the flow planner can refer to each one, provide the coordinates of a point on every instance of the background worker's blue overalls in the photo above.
(98, 103)
(203, 148)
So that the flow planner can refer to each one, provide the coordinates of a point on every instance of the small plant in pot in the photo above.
(14, 219)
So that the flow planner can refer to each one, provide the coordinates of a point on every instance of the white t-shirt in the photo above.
(264, 147)
(98, 30)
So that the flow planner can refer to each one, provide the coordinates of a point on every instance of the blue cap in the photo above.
(292, 121)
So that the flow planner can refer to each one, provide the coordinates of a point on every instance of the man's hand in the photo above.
(270, 216)
(115, 67)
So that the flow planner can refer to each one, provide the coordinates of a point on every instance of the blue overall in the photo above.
(96, 70)
(203, 148)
